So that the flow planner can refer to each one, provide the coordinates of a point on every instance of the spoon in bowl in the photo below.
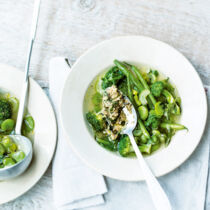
(23, 142)
(159, 197)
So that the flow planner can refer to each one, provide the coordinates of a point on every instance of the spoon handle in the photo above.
(160, 200)
(25, 82)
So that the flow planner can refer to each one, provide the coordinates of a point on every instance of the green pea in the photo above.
(156, 133)
(6, 141)
(8, 161)
(2, 149)
(143, 112)
(144, 139)
(9, 145)
(12, 148)
(155, 139)
(18, 156)
(28, 124)
(8, 125)
(137, 132)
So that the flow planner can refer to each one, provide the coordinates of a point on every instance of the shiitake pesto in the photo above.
(10, 152)
(155, 99)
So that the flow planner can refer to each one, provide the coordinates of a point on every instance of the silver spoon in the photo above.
(23, 142)
(159, 197)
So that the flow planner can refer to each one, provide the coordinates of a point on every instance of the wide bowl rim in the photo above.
(101, 171)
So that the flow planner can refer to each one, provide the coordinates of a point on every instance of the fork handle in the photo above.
(160, 199)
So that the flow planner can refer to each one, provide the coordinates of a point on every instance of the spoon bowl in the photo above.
(25, 145)
(131, 118)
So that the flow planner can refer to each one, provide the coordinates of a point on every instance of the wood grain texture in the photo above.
(70, 27)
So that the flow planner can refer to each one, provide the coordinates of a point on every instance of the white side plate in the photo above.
(44, 137)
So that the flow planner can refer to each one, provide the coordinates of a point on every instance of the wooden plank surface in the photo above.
(70, 27)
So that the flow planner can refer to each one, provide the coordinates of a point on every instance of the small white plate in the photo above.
(44, 136)
(143, 50)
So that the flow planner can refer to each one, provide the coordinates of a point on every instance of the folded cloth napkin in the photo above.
(186, 186)
(74, 185)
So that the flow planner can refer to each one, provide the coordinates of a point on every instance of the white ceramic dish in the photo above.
(44, 137)
(137, 49)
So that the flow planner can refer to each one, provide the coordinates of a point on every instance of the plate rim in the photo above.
(101, 171)
(12, 68)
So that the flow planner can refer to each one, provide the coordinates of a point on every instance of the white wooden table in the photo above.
(69, 27)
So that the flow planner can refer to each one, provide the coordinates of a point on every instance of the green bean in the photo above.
(143, 129)
(144, 83)
(174, 126)
(130, 95)
(134, 80)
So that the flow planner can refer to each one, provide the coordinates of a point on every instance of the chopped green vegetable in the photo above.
(153, 120)
(157, 88)
(2, 150)
(174, 126)
(137, 132)
(28, 124)
(145, 148)
(153, 74)
(8, 125)
(124, 145)
(143, 112)
(96, 120)
(170, 99)
(112, 77)
(159, 109)
(18, 156)
(143, 96)
(97, 101)
(8, 161)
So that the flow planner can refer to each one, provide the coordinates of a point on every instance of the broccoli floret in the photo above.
(153, 120)
(157, 88)
(112, 77)
(5, 109)
(124, 146)
(96, 120)
(152, 75)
